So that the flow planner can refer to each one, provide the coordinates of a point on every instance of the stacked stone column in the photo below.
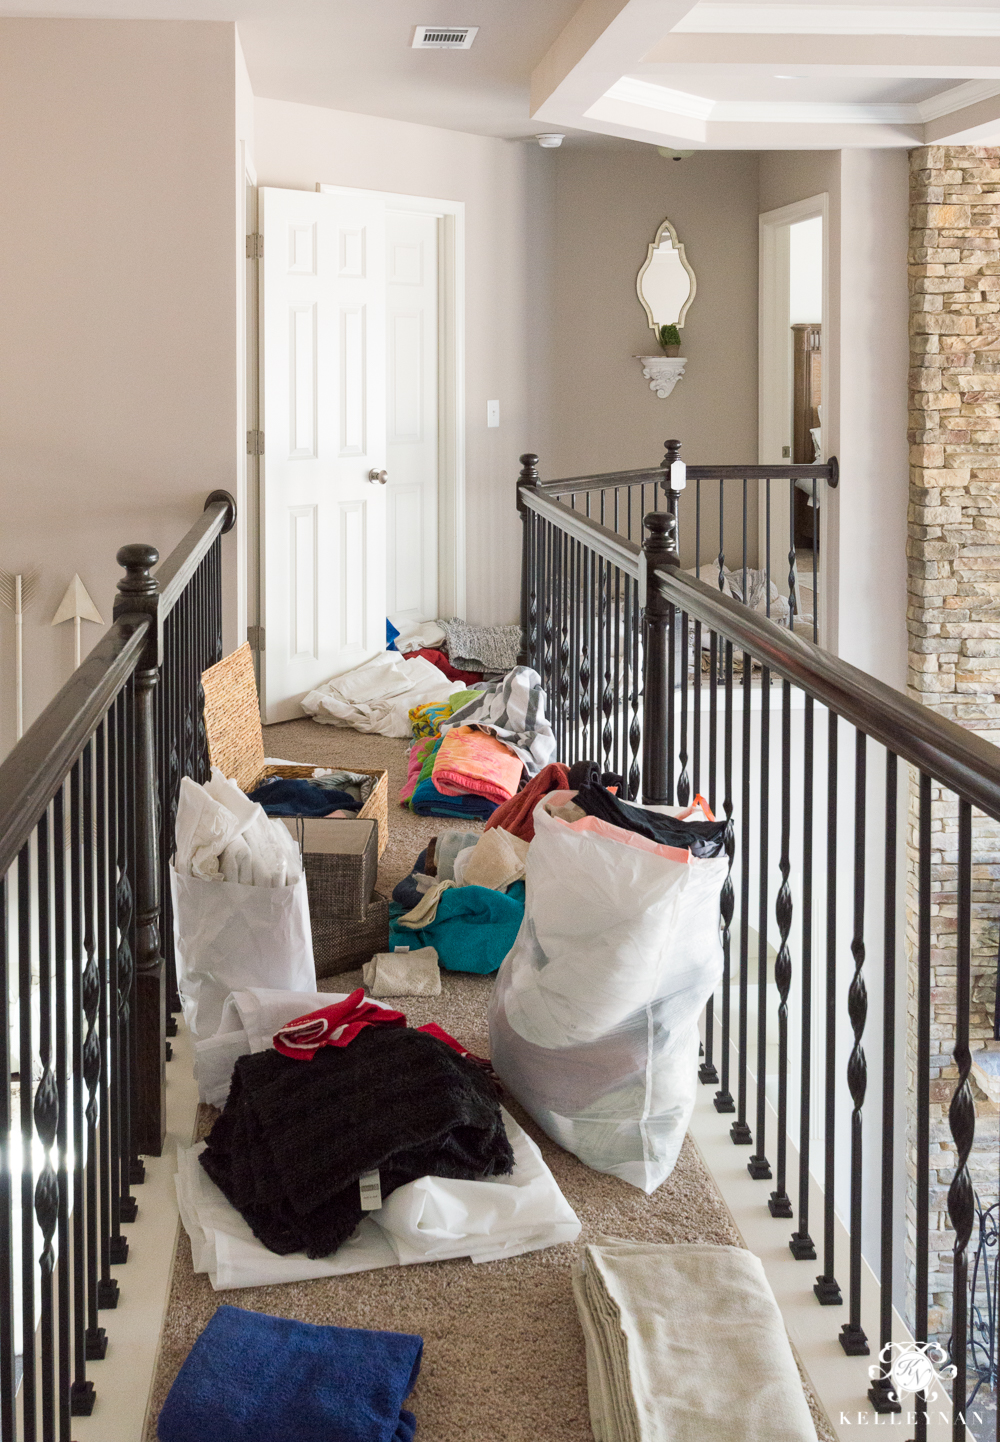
(953, 619)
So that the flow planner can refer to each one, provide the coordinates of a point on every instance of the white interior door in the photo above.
(411, 274)
(322, 347)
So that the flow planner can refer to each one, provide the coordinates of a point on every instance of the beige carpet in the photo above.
(503, 1353)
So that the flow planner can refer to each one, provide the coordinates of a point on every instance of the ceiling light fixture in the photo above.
(550, 142)
(669, 154)
(443, 37)
(790, 77)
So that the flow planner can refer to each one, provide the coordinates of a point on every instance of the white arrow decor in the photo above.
(17, 593)
(76, 606)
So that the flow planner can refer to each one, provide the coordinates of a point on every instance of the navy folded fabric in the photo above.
(294, 796)
(427, 800)
(254, 1378)
(406, 893)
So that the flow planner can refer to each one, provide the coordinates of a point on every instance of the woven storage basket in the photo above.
(340, 860)
(236, 740)
(340, 945)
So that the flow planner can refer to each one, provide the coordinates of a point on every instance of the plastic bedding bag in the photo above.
(594, 1016)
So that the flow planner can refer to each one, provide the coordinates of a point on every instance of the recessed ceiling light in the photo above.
(789, 77)
(551, 141)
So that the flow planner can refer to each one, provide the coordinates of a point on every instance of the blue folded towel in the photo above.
(473, 930)
(254, 1378)
(427, 800)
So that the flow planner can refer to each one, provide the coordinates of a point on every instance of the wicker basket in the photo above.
(340, 860)
(236, 740)
(345, 945)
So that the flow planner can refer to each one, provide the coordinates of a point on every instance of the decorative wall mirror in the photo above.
(666, 283)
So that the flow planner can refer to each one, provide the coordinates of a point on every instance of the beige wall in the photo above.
(117, 368)
(297, 145)
(865, 383)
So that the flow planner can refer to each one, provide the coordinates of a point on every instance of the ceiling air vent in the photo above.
(444, 37)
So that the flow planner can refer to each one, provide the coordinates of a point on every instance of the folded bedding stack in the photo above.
(686, 1342)
(358, 1088)
(254, 1378)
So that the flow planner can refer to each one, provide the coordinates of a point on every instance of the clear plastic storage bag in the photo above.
(594, 1016)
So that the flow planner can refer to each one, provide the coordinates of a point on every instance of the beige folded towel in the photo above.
(684, 1343)
(496, 861)
(426, 908)
(403, 973)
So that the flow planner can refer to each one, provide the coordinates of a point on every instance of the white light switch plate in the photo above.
(492, 413)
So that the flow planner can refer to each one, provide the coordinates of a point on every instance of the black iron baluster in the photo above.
(671, 697)
(80, 1394)
(801, 1244)
(566, 599)
(8, 1377)
(779, 1202)
(124, 789)
(792, 575)
(29, 1372)
(586, 623)
(696, 708)
(683, 780)
(746, 594)
(827, 1287)
(548, 545)
(740, 1131)
(46, 1114)
(635, 728)
(117, 1245)
(607, 695)
(95, 1338)
(621, 642)
(758, 1165)
(852, 1336)
(815, 558)
(881, 1393)
(707, 1073)
(922, 1188)
(767, 545)
(723, 1101)
(962, 1123)
(570, 750)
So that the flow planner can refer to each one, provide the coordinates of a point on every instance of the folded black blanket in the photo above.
(295, 1136)
(296, 796)
(701, 838)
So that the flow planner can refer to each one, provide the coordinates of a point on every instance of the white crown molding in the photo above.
(632, 91)
(957, 98)
(722, 19)
(660, 97)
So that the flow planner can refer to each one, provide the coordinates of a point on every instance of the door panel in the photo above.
(411, 271)
(322, 347)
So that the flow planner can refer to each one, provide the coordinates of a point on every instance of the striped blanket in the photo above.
(514, 710)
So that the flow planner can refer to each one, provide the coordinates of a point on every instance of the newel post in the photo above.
(529, 581)
(138, 595)
(659, 548)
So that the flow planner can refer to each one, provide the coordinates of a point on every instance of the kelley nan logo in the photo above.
(914, 1369)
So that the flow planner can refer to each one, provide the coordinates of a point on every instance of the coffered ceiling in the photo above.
(741, 75)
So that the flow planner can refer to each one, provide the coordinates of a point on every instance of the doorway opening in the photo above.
(792, 424)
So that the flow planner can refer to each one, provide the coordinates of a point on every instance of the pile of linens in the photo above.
(224, 835)
(472, 750)
(350, 1141)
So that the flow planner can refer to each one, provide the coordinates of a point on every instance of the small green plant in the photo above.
(668, 335)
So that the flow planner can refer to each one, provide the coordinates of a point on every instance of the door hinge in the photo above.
(255, 637)
(255, 443)
(255, 246)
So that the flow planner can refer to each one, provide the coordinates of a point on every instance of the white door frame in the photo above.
(774, 409)
(451, 385)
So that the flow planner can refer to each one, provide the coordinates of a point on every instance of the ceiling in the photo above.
(684, 73)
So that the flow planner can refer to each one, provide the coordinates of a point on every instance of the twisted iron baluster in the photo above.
(962, 1117)
(852, 1336)
(607, 694)
(632, 627)
(779, 1202)
(723, 1100)
(127, 1206)
(46, 1118)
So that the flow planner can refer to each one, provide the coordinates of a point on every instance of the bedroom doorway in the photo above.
(360, 440)
(793, 311)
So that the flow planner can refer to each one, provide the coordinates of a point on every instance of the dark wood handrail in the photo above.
(828, 471)
(39, 763)
(957, 758)
(218, 517)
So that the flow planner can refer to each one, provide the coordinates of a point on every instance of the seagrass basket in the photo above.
(236, 739)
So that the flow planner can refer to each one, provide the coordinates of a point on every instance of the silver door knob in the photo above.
(378, 478)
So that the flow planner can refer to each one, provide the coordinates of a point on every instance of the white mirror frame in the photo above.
(665, 229)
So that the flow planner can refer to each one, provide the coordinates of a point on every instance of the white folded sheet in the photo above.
(377, 696)
(224, 836)
(429, 1220)
(686, 1342)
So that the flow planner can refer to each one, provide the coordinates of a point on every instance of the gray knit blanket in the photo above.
(481, 648)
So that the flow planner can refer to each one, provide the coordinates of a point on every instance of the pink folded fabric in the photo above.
(418, 755)
(472, 762)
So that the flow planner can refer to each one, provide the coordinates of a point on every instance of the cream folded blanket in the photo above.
(403, 973)
(684, 1343)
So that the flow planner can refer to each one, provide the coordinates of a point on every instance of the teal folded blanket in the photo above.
(473, 930)
(254, 1378)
